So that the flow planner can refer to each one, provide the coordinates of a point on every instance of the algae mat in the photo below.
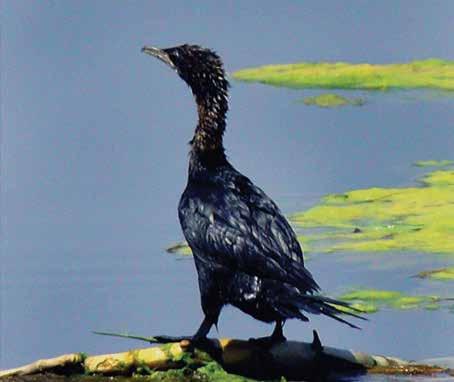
(430, 73)
(442, 274)
(433, 163)
(381, 219)
(331, 100)
(373, 300)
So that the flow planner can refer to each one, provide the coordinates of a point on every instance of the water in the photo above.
(94, 160)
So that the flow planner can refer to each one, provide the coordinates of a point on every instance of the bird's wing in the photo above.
(236, 225)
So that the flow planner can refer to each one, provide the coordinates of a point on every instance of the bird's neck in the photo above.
(207, 143)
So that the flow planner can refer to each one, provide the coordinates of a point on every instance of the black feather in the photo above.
(245, 251)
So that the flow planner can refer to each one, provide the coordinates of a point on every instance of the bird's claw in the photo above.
(190, 343)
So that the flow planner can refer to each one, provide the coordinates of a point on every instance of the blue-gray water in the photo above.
(94, 157)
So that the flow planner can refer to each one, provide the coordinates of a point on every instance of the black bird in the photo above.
(245, 251)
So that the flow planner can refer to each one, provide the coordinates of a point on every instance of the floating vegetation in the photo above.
(181, 248)
(383, 219)
(433, 163)
(329, 100)
(430, 73)
(439, 178)
(372, 300)
(442, 274)
(210, 372)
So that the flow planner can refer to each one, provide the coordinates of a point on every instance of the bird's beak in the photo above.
(159, 53)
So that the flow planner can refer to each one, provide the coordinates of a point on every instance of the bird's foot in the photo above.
(186, 342)
(190, 343)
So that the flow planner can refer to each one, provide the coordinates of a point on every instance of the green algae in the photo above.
(182, 248)
(443, 274)
(373, 300)
(212, 371)
(433, 163)
(370, 295)
(331, 100)
(430, 73)
(193, 366)
(383, 219)
(358, 307)
(439, 178)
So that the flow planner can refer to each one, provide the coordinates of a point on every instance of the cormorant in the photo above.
(245, 251)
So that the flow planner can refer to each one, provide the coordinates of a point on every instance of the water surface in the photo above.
(94, 157)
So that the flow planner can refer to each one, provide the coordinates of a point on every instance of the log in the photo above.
(66, 361)
(290, 359)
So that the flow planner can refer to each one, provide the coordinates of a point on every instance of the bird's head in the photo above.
(200, 68)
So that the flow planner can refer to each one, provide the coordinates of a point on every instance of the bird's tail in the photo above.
(330, 307)
(291, 303)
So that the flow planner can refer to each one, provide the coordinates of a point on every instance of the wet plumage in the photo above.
(245, 251)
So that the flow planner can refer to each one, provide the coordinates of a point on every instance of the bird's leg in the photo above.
(199, 340)
(276, 337)
(199, 336)
(204, 329)
(278, 332)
